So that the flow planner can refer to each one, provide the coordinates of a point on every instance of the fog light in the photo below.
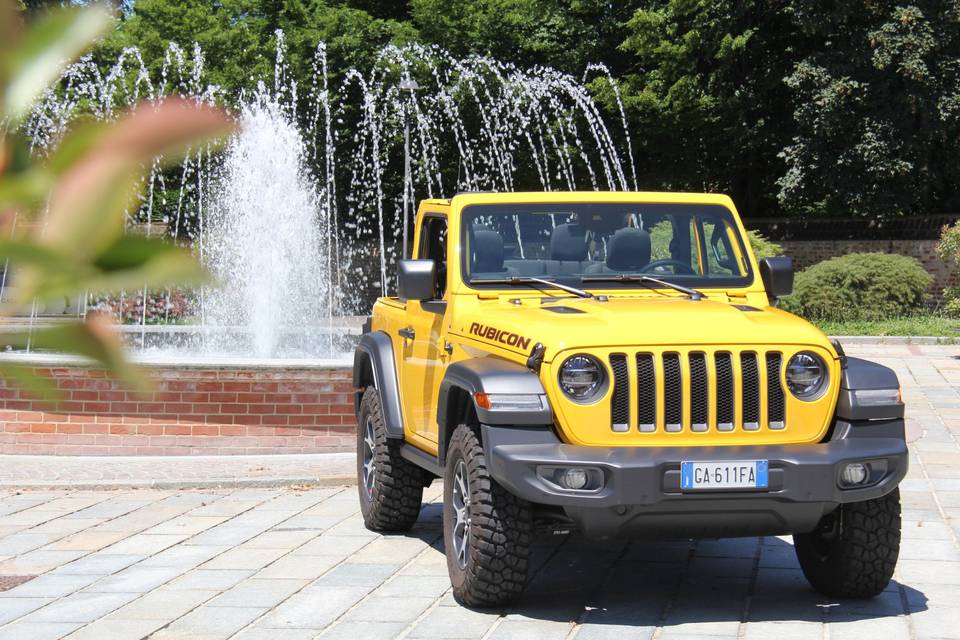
(574, 479)
(854, 473)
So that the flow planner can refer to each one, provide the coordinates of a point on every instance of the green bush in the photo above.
(949, 250)
(762, 246)
(860, 286)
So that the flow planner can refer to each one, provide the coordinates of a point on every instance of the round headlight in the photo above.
(806, 375)
(581, 377)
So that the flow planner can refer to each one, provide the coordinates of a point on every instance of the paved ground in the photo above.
(286, 564)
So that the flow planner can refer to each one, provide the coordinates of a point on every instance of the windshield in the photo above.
(696, 245)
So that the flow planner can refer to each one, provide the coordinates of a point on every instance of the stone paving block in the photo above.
(262, 633)
(388, 609)
(295, 565)
(185, 556)
(530, 630)
(36, 562)
(315, 524)
(225, 534)
(937, 622)
(869, 628)
(404, 585)
(116, 629)
(612, 632)
(66, 525)
(51, 586)
(144, 544)
(135, 579)
(453, 622)
(87, 541)
(313, 608)
(396, 548)
(244, 558)
(257, 592)
(81, 607)
(13, 608)
(925, 530)
(163, 604)
(944, 550)
(209, 623)
(280, 539)
(99, 564)
(930, 571)
(357, 575)
(369, 630)
(211, 579)
(783, 631)
(37, 630)
(187, 524)
(335, 545)
(25, 541)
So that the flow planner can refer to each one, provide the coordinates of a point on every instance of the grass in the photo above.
(918, 325)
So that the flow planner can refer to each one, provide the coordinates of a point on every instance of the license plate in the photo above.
(735, 474)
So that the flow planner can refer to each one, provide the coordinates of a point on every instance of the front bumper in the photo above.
(641, 492)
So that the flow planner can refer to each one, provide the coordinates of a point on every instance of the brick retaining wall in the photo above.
(808, 252)
(216, 410)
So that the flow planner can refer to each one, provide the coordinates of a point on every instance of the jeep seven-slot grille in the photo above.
(684, 399)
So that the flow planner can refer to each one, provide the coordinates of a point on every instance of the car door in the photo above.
(423, 340)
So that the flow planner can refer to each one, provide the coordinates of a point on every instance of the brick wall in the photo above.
(190, 411)
(808, 252)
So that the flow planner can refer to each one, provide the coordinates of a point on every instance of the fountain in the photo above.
(300, 218)
(297, 211)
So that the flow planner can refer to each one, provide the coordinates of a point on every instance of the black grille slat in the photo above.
(699, 400)
(620, 406)
(646, 393)
(724, 367)
(672, 392)
(776, 402)
(750, 374)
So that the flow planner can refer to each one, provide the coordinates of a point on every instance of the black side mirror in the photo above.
(416, 279)
(777, 275)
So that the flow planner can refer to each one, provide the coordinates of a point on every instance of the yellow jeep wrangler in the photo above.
(615, 364)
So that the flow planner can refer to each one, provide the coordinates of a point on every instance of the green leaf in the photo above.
(50, 44)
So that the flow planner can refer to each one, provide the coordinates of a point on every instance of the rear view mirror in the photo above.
(777, 275)
(416, 279)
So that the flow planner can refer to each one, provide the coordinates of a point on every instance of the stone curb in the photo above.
(199, 483)
(919, 340)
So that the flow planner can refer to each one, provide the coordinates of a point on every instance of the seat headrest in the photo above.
(628, 249)
(568, 243)
(487, 251)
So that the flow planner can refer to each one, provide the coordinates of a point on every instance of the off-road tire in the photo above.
(854, 550)
(500, 528)
(393, 503)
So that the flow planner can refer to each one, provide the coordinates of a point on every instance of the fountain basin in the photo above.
(199, 406)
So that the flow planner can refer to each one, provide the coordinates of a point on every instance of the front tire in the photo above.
(391, 488)
(486, 529)
(853, 551)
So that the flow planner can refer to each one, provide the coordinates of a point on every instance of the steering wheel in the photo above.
(678, 267)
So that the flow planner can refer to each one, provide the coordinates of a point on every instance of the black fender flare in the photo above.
(859, 374)
(493, 376)
(373, 365)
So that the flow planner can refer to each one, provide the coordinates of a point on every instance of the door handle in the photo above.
(407, 333)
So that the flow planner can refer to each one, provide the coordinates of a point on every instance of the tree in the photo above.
(876, 99)
(706, 95)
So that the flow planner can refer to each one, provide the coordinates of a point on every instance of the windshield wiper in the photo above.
(516, 280)
(648, 280)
